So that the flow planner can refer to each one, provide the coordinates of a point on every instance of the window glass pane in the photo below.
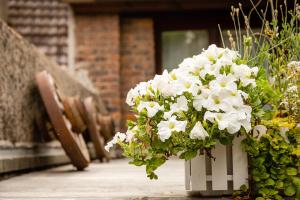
(177, 45)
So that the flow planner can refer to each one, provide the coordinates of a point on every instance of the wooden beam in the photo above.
(146, 6)
(79, 1)
(133, 6)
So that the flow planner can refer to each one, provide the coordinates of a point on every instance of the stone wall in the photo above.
(137, 56)
(20, 102)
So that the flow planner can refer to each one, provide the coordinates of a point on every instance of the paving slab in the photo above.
(107, 181)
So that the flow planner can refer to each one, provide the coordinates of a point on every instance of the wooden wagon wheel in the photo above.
(107, 126)
(72, 113)
(72, 143)
(80, 107)
(94, 129)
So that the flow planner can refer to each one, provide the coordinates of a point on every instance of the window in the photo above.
(177, 45)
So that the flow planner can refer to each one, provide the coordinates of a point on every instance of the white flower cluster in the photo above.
(210, 82)
(121, 137)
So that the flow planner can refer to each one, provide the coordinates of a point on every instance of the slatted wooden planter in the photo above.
(221, 176)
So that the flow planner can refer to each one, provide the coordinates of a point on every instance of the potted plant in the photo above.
(246, 94)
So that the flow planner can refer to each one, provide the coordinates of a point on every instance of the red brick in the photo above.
(137, 56)
(98, 47)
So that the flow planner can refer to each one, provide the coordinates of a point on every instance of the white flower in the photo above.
(165, 128)
(119, 137)
(201, 99)
(130, 134)
(216, 101)
(294, 64)
(176, 73)
(219, 96)
(200, 61)
(211, 69)
(228, 56)
(142, 88)
(195, 65)
(188, 85)
(168, 115)
(229, 121)
(198, 132)
(213, 52)
(282, 132)
(292, 89)
(224, 82)
(130, 97)
(243, 114)
(152, 107)
(259, 131)
(187, 64)
(180, 105)
(234, 100)
(182, 81)
(109, 145)
(245, 74)
(162, 84)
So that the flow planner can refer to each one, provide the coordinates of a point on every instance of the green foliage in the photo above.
(274, 158)
(273, 166)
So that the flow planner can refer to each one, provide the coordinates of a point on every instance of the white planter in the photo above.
(212, 178)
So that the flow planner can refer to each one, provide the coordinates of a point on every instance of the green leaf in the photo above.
(188, 155)
(256, 178)
(264, 191)
(291, 171)
(152, 176)
(259, 161)
(226, 139)
(278, 197)
(270, 182)
(279, 185)
(290, 190)
(296, 181)
(137, 162)
(244, 188)
(237, 193)
(264, 175)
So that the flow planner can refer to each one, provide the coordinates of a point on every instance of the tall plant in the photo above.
(273, 147)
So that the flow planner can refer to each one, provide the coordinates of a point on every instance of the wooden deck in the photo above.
(114, 180)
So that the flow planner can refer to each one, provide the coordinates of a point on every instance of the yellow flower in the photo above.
(280, 122)
(297, 151)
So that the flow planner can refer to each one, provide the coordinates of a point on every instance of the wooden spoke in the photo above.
(94, 129)
(72, 143)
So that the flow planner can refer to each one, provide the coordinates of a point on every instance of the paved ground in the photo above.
(115, 180)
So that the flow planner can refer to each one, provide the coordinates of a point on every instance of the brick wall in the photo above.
(137, 56)
(97, 51)
(117, 53)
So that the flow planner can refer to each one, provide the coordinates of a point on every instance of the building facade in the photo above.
(119, 43)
